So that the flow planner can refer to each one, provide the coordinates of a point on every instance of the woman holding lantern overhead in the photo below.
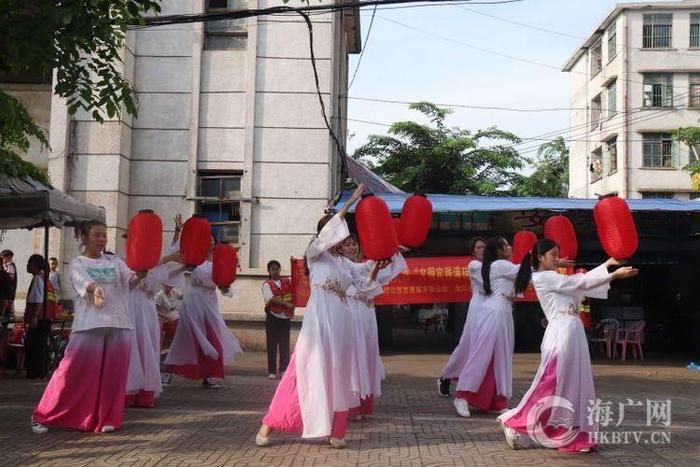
(203, 343)
(564, 380)
(99, 347)
(316, 392)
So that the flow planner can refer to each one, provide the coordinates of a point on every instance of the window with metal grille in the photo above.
(226, 34)
(218, 200)
(658, 195)
(611, 156)
(596, 59)
(657, 31)
(612, 41)
(612, 99)
(659, 150)
(695, 30)
(596, 167)
(658, 90)
(694, 91)
(595, 112)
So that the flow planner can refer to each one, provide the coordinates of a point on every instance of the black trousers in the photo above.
(277, 331)
(36, 349)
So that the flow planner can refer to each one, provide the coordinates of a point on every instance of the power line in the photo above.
(466, 106)
(364, 47)
(524, 25)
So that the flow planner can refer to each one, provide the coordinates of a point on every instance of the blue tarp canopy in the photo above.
(469, 203)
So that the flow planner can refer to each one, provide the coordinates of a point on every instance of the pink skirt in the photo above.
(86, 392)
(546, 387)
(205, 367)
(485, 398)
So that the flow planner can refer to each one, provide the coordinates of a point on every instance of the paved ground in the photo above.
(412, 426)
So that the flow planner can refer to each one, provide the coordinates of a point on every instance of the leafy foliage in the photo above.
(551, 175)
(82, 41)
(690, 136)
(432, 158)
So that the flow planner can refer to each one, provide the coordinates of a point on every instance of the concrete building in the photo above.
(635, 78)
(229, 126)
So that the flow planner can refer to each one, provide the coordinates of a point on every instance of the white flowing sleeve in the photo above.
(389, 273)
(505, 268)
(594, 284)
(475, 274)
(334, 232)
(124, 273)
(156, 277)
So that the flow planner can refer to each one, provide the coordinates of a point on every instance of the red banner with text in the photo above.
(443, 279)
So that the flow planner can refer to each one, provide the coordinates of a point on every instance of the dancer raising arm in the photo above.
(565, 367)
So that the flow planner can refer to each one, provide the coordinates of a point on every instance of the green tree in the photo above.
(81, 40)
(432, 158)
(690, 136)
(551, 175)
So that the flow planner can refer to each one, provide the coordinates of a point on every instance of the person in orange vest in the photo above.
(279, 311)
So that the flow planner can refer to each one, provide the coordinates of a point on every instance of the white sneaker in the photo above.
(272, 376)
(38, 428)
(338, 443)
(108, 429)
(262, 441)
(462, 407)
(515, 439)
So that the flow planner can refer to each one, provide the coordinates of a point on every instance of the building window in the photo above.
(226, 34)
(611, 156)
(695, 29)
(612, 99)
(596, 166)
(595, 112)
(657, 31)
(657, 195)
(658, 90)
(695, 195)
(219, 201)
(596, 59)
(612, 41)
(694, 91)
(659, 150)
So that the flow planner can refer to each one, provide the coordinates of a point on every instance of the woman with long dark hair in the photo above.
(485, 381)
(564, 380)
(460, 354)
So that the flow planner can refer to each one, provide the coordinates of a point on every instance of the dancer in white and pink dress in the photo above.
(316, 392)
(86, 392)
(485, 381)
(563, 387)
(460, 355)
(367, 363)
(203, 343)
(143, 384)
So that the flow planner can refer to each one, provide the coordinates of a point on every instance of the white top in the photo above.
(55, 279)
(169, 306)
(503, 274)
(36, 290)
(112, 274)
(477, 281)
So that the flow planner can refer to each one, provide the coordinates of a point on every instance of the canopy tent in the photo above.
(27, 203)
(470, 203)
(373, 182)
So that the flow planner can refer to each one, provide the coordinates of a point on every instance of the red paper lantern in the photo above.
(416, 218)
(195, 240)
(523, 242)
(616, 229)
(561, 231)
(375, 228)
(224, 264)
(144, 241)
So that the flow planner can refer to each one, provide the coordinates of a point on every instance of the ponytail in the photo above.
(530, 263)
(490, 255)
(522, 280)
